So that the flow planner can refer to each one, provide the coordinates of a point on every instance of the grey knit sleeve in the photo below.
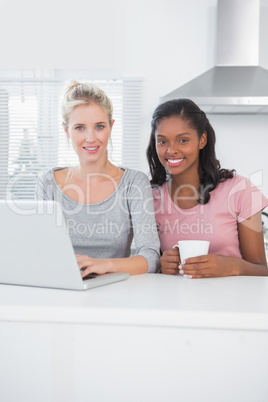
(141, 207)
(44, 186)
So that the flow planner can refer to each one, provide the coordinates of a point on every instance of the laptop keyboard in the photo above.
(90, 276)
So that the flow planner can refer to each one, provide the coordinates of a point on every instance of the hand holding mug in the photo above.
(170, 261)
(190, 249)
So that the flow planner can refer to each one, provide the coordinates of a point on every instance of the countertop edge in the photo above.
(135, 317)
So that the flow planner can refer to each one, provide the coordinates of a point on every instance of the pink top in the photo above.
(231, 202)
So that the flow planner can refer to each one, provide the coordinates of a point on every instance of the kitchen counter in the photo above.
(149, 338)
(146, 300)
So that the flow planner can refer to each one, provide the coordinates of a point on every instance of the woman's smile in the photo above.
(172, 162)
(91, 150)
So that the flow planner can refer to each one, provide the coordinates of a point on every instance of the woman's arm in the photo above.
(141, 211)
(43, 188)
(252, 247)
(253, 261)
(133, 265)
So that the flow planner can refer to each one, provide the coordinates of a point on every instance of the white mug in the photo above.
(192, 248)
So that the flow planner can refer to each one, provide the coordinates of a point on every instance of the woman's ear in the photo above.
(203, 140)
(112, 124)
(66, 130)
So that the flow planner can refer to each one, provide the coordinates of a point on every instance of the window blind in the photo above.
(32, 138)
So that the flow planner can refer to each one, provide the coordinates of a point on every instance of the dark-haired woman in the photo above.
(197, 200)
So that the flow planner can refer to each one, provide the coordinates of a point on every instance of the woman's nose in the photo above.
(172, 149)
(89, 135)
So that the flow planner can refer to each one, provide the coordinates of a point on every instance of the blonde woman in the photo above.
(105, 206)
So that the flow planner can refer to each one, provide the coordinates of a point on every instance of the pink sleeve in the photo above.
(246, 198)
(157, 197)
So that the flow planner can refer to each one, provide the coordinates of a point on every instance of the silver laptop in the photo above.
(35, 249)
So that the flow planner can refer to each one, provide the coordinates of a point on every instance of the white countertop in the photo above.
(146, 300)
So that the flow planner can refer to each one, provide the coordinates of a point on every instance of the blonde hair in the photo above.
(82, 93)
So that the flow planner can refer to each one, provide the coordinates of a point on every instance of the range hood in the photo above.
(237, 84)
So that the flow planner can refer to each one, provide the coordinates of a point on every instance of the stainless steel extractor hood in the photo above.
(237, 84)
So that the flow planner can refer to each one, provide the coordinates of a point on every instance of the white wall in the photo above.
(242, 145)
(166, 42)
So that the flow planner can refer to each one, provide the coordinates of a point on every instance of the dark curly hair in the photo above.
(209, 169)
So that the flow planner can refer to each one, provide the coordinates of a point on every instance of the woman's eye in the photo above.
(100, 127)
(161, 142)
(79, 128)
(184, 140)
